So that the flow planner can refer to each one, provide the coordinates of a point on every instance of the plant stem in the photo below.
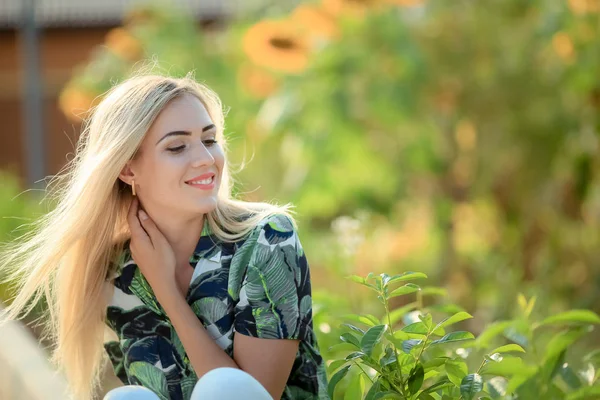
(387, 312)
(364, 372)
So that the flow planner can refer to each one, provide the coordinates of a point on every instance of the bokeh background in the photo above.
(455, 138)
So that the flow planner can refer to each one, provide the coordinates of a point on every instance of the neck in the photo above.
(181, 232)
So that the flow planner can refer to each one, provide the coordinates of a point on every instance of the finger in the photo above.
(150, 227)
(137, 231)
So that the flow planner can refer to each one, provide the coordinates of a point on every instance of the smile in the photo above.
(206, 181)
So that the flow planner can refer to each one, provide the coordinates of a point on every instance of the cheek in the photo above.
(168, 170)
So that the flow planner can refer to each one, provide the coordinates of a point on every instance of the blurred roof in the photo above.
(77, 13)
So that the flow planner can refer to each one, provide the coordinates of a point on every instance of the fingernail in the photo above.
(143, 215)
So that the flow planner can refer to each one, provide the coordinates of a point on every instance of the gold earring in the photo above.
(133, 186)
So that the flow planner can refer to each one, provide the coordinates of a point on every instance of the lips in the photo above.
(202, 177)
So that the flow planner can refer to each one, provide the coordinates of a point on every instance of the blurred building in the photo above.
(66, 32)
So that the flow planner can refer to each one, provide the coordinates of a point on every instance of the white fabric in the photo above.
(218, 384)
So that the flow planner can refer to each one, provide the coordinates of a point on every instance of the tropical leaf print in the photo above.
(258, 286)
(272, 291)
(187, 385)
(237, 269)
(142, 289)
(179, 347)
(150, 377)
(211, 308)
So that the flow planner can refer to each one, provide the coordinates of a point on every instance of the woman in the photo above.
(204, 293)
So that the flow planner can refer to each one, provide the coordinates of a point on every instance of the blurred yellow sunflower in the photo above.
(350, 7)
(316, 22)
(563, 46)
(123, 44)
(75, 103)
(278, 45)
(584, 6)
(257, 81)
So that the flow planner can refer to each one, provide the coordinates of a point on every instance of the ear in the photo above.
(127, 174)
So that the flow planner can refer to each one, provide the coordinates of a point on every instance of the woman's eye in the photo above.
(209, 142)
(177, 149)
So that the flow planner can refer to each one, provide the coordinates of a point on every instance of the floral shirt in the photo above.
(258, 286)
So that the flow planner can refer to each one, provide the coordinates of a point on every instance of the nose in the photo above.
(202, 156)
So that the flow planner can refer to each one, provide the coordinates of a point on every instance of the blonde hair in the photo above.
(72, 249)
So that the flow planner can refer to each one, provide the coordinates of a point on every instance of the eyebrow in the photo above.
(185, 133)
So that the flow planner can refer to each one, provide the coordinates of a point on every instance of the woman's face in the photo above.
(179, 166)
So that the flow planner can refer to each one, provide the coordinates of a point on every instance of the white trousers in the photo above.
(219, 384)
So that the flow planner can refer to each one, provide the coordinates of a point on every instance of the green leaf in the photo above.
(357, 318)
(341, 347)
(408, 345)
(427, 319)
(335, 379)
(509, 348)
(389, 356)
(350, 338)
(373, 390)
(491, 331)
(460, 316)
(354, 328)
(456, 371)
(371, 338)
(400, 335)
(585, 393)
(415, 379)
(406, 289)
(407, 276)
(454, 337)
(564, 339)
(425, 396)
(573, 317)
(416, 327)
(357, 279)
(336, 364)
(470, 386)
(518, 334)
(443, 383)
(355, 355)
(435, 362)
(506, 367)
(355, 388)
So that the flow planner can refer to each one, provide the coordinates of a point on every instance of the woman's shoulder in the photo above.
(277, 221)
(275, 228)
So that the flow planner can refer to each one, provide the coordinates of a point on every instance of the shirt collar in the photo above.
(206, 242)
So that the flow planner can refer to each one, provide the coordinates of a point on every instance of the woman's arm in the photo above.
(268, 361)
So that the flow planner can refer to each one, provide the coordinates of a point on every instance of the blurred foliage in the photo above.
(406, 355)
(458, 139)
(17, 211)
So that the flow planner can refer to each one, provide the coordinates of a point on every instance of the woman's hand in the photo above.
(152, 252)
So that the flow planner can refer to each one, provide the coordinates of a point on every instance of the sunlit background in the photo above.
(455, 138)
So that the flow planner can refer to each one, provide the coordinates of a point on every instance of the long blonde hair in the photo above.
(68, 255)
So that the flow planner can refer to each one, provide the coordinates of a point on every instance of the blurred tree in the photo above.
(467, 132)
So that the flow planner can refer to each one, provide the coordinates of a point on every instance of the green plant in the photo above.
(406, 355)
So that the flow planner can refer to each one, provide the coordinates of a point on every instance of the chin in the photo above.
(207, 205)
